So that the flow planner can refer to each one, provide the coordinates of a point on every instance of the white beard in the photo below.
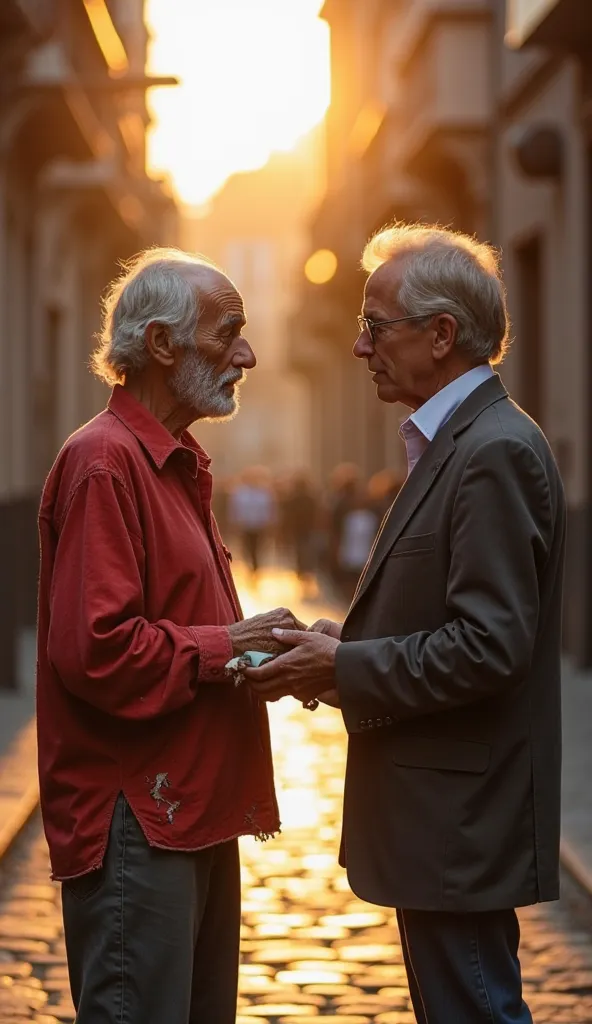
(196, 384)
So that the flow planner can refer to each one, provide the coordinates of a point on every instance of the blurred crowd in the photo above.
(319, 531)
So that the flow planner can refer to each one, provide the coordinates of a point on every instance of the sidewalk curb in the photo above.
(15, 823)
(574, 865)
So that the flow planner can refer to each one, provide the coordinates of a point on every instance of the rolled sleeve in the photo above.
(215, 650)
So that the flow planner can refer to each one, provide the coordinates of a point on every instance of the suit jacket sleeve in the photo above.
(502, 529)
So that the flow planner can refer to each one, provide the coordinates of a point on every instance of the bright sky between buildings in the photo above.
(255, 78)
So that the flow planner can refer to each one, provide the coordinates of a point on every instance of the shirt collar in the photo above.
(157, 441)
(434, 413)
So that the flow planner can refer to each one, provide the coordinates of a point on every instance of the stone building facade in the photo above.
(476, 114)
(74, 199)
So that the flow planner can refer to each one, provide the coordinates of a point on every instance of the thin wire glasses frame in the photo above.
(368, 325)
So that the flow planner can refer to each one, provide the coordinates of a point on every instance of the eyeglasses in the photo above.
(369, 325)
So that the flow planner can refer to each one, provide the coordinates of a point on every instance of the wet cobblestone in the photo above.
(311, 949)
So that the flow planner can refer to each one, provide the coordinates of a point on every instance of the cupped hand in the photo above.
(255, 634)
(328, 627)
(304, 672)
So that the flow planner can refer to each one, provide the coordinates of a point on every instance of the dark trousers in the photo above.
(463, 968)
(252, 542)
(153, 936)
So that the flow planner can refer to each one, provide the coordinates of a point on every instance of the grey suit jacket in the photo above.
(449, 674)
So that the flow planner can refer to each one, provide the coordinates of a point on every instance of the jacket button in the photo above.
(388, 720)
(379, 722)
(362, 725)
(370, 723)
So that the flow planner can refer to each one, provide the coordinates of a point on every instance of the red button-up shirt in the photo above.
(135, 597)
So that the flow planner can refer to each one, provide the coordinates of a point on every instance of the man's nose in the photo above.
(363, 348)
(244, 355)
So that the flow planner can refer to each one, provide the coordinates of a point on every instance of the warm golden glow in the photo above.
(106, 34)
(254, 79)
(365, 128)
(321, 266)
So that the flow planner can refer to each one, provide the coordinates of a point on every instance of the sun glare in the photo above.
(254, 79)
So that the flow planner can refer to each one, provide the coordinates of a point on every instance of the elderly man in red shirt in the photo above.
(152, 762)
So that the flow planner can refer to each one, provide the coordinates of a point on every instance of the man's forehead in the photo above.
(217, 293)
(386, 278)
(382, 287)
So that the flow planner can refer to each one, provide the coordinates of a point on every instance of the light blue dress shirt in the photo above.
(422, 426)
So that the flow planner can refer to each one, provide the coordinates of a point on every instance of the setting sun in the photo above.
(254, 79)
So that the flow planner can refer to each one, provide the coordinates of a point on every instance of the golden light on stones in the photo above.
(310, 947)
(311, 976)
(321, 266)
(364, 919)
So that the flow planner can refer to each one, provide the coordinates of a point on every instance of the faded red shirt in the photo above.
(135, 597)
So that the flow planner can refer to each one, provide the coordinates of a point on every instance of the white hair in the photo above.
(448, 272)
(155, 287)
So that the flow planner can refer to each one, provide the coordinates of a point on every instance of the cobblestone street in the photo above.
(310, 948)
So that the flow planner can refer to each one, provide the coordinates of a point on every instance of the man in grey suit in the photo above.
(447, 667)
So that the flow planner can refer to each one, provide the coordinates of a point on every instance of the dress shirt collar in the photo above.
(422, 425)
(154, 437)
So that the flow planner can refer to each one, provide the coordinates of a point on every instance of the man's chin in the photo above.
(223, 412)
(387, 392)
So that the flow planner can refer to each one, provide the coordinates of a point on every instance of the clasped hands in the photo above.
(304, 666)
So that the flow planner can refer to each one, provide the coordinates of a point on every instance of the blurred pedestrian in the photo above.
(383, 488)
(252, 512)
(151, 762)
(301, 524)
(344, 482)
(282, 489)
(220, 501)
(358, 529)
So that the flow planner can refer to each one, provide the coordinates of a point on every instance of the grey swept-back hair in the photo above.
(155, 287)
(448, 272)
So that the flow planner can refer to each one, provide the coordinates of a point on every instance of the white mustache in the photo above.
(231, 379)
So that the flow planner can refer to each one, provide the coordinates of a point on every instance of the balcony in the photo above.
(443, 70)
(444, 73)
(417, 19)
(558, 24)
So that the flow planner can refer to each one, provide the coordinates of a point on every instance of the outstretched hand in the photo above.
(257, 633)
(303, 672)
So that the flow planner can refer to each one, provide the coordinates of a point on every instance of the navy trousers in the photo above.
(463, 968)
(153, 936)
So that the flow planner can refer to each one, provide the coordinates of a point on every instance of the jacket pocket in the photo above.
(421, 542)
(441, 753)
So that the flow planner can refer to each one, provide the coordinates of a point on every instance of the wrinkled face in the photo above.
(401, 357)
(206, 378)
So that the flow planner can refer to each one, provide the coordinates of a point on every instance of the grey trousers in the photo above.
(153, 936)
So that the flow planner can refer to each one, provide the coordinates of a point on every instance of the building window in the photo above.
(530, 341)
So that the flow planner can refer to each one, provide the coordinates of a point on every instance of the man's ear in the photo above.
(160, 344)
(446, 328)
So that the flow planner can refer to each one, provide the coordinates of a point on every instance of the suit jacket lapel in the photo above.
(411, 494)
(424, 476)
